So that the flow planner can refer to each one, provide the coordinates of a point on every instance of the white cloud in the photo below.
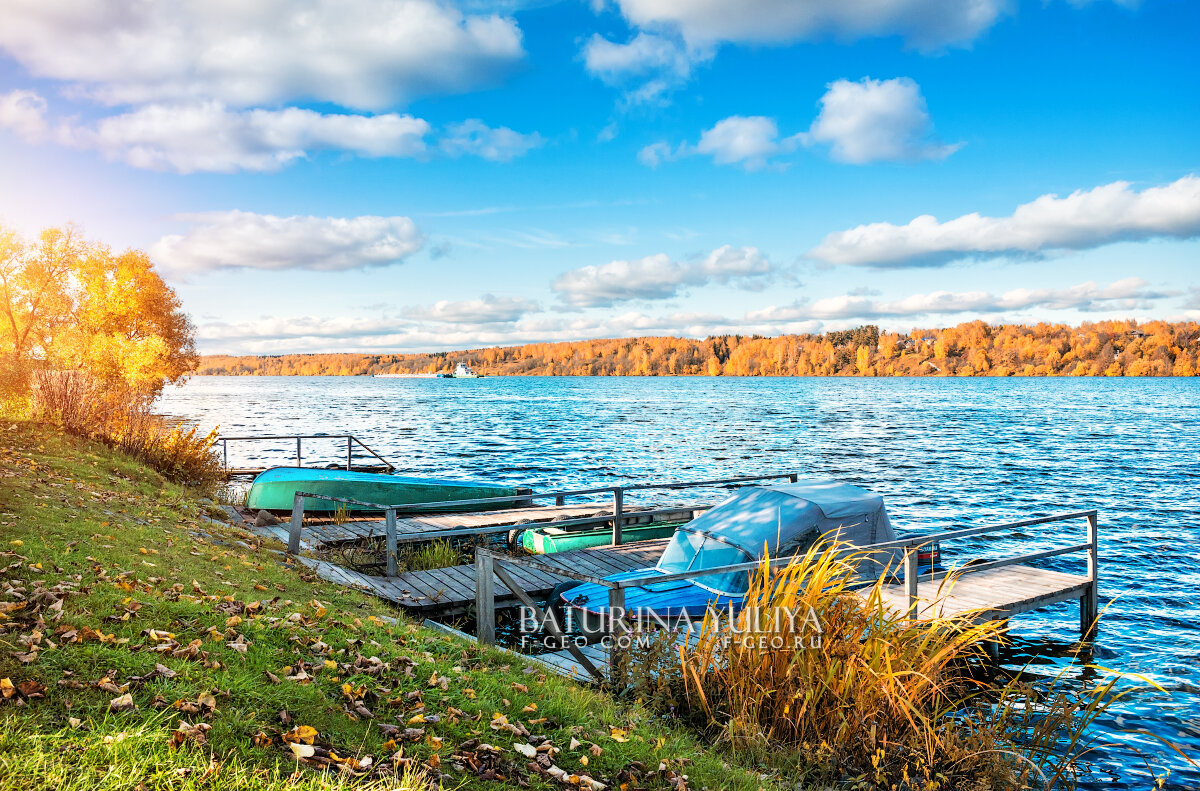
(243, 240)
(24, 112)
(924, 24)
(353, 53)
(499, 144)
(1084, 219)
(659, 276)
(748, 141)
(1128, 294)
(210, 137)
(647, 67)
(488, 309)
(874, 121)
(465, 327)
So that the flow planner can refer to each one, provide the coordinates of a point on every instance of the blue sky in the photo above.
(413, 175)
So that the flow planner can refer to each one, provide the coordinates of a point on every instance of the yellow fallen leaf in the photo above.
(301, 734)
(618, 734)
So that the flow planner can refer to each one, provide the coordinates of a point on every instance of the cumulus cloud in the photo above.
(243, 240)
(647, 67)
(211, 137)
(747, 141)
(488, 309)
(1128, 294)
(924, 24)
(353, 53)
(874, 121)
(1082, 220)
(499, 144)
(24, 112)
(659, 276)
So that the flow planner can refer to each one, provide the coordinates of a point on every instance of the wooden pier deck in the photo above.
(451, 591)
(322, 532)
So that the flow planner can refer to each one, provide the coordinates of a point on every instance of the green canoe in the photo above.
(548, 540)
(275, 489)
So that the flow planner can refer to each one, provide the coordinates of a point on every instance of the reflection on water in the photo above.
(944, 452)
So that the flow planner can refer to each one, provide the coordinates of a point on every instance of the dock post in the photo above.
(349, 452)
(618, 512)
(390, 526)
(1089, 603)
(485, 598)
(298, 464)
(560, 500)
(619, 630)
(225, 449)
(910, 579)
(297, 524)
(794, 478)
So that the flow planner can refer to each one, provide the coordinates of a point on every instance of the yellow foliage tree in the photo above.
(67, 304)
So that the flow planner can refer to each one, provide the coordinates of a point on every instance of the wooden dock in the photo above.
(323, 532)
(451, 591)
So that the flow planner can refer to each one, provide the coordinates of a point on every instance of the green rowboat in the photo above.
(548, 540)
(275, 489)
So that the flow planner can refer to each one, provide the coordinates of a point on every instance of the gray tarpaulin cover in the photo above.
(783, 520)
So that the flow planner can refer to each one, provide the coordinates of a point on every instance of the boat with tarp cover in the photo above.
(275, 490)
(754, 523)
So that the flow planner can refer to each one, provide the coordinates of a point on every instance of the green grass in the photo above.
(134, 553)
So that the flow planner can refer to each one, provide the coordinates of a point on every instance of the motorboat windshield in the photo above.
(690, 551)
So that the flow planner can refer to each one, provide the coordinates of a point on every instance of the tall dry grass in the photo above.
(882, 700)
(124, 419)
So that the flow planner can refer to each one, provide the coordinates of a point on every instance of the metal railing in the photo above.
(619, 514)
(487, 566)
(351, 441)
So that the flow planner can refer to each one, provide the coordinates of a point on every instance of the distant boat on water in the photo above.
(411, 376)
(463, 371)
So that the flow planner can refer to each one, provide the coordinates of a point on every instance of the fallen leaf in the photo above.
(122, 703)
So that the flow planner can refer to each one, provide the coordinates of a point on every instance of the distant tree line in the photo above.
(1105, 348)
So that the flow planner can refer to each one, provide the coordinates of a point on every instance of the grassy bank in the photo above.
(143, 645)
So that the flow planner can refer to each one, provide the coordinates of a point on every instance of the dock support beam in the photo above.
(1089, 603)
(485, 598)
(349, 452)
(910, 579)
(298, 464)
(619, 630)
(296, 525)
(390, 527)
(618, 513)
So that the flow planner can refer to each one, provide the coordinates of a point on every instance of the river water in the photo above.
(945, 453)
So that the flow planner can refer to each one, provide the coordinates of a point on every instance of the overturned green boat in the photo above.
(275, 490)
(548, 540)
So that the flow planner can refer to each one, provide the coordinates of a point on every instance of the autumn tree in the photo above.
(67, 304)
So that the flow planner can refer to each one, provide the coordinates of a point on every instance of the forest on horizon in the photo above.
(1106, 348)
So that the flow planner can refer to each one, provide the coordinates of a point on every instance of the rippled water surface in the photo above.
(944, 453)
